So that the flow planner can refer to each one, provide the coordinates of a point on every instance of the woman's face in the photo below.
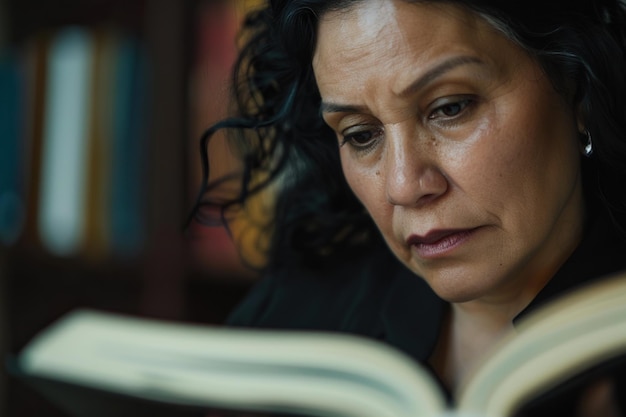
(455, 142)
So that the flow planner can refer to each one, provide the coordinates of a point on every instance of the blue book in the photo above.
(12, 207)
(128, 151)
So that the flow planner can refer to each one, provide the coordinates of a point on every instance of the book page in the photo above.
(566, 338)
(288, 372)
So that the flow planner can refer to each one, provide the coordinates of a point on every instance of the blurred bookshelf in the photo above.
(102, 103)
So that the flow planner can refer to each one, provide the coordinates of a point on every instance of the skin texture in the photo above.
(445, 124)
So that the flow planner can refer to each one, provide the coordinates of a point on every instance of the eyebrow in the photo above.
(427, 78)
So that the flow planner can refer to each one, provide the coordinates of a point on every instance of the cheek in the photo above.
(358, 179)
(529, 170)
(367, 185)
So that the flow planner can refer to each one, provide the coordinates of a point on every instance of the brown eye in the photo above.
(451, 109)
(361, 139)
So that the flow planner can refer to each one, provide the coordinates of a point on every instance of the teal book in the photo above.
(12, 157)
(128, 150)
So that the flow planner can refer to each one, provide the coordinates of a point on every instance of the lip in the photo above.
(438, 243)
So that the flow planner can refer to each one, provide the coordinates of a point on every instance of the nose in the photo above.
(413, 175)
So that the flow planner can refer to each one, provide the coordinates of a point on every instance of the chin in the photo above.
(457, 288)
(456, 296)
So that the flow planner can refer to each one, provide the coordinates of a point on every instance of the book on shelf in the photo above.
(84, 141)
(98, 364)
(35, 56)
(128, 164)
(98, 134)
(116, 151)
(61, 218)
(12, 150)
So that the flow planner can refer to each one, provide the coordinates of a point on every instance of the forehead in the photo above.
(388, 33)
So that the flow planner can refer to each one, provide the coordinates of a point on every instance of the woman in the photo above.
(481, 141)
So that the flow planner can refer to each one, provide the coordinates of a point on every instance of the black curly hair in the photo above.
(283, 139)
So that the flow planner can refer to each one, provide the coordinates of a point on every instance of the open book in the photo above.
(100, 364)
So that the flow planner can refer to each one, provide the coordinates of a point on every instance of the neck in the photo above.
(464, 341)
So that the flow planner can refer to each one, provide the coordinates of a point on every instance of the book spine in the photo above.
(128, 152)
(97, 239)
(34, 64)
(11, 150)
(61, 217)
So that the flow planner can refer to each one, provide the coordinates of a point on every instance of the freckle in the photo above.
(378, 173)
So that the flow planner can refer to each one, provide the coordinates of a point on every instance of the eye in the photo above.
(361, 137)
(451, 108)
